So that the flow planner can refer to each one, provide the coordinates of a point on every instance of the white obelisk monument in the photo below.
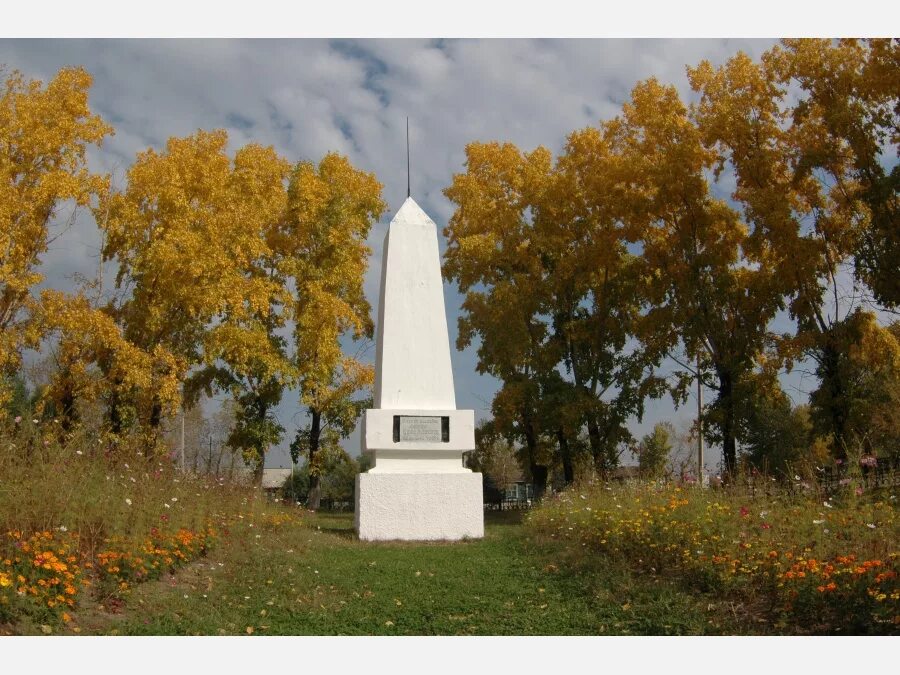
(418, 488)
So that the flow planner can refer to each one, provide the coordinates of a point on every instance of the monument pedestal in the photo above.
(419, 506)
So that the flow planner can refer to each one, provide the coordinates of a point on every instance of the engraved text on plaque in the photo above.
(427, 429)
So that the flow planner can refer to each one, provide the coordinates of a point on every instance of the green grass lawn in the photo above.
(315, 578)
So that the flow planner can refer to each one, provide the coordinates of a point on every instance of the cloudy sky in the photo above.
(308, 97)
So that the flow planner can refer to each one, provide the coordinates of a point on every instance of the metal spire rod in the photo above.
(407, 157)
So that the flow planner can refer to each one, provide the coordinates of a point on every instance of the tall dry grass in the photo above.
(80, 514)
(96, 489)
(797, 558)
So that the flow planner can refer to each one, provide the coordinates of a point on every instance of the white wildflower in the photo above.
(128, 501)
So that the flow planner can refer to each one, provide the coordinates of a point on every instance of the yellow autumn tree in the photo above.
(549, 289)
(708, 295)
(810, 176)
(846, 123)
(244, 352)
(330, 210)
(95, 363)
(868, 367)
(188, 233)
(594, 304)
(44, 135)
(494, 255)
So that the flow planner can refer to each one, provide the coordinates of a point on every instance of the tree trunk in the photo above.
(566, 454)
(538, 472)
(260, 466)
(115, 413)
(837, 399)
(315, 484)
(155, 414)
(69, 412)
(598, 451)
(729, 439)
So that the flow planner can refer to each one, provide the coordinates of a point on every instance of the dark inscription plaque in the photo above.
(421, 429)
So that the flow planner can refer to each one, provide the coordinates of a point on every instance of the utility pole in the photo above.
(408, 192)
(699, 425)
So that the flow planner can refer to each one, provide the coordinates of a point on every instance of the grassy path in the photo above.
(315, 578)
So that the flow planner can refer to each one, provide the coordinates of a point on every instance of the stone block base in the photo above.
(419, 506)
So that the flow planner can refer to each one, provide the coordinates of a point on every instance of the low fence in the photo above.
(508, 504)
(879, 472)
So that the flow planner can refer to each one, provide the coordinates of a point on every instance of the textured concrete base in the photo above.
(419, 506)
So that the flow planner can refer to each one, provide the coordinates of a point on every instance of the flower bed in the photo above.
(808, 565)
(88, 514)
(40, 570)
(45, 574)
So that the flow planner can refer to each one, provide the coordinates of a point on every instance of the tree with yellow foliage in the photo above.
(243, 352)
(550, 292)
(189, 233)
(95, 363)
(323, 255)
(847, 128)
(810, 179)
(44, 135)
(493, 253)
(592, 280)
(703, 299)
(868, 366)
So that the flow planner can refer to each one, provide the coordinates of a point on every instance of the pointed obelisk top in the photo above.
(411, 213)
